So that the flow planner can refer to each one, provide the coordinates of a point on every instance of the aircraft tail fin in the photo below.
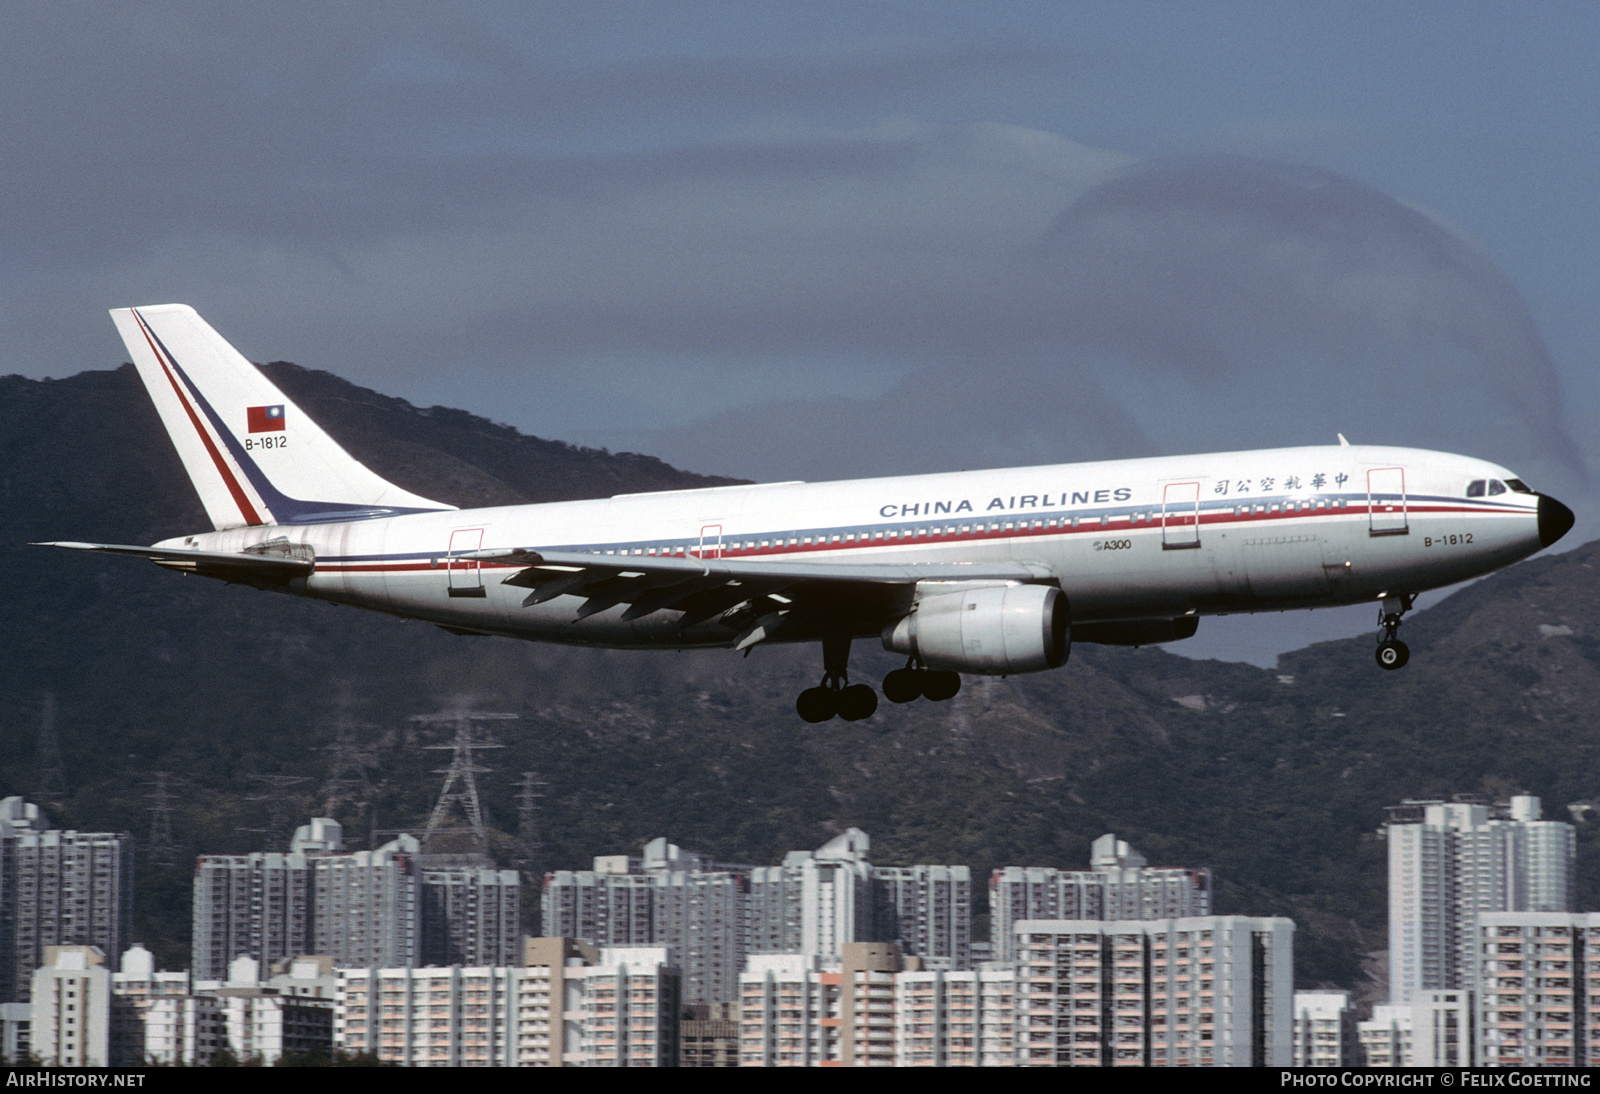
(254, 457)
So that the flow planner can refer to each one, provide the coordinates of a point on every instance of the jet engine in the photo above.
(995, 630)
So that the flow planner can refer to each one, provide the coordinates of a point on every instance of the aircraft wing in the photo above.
(758, 598)
(271, 565)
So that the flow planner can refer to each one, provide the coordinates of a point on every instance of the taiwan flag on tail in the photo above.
(265, 419)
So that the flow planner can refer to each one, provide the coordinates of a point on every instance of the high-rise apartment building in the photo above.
(71, 997)
(806, 1010)
(1214, 991)
(1386, 1036)
(262, 1021)
(788, 1012)
(1324, 1029)
(1118, 885)
(668, 897)
(1538, 974)
(437, 1017)
(708, 1035)
(622, 1011)
(712, 915)
(133, 989)
(365, 905)
(836, 896)
(471, 916)
(775, 909)
(928, 910)
(185, 1030)
(165, 1018)
(700, 914)
(375, 909)
(1449, 863)
(58, 888)
(961, 1018)
(873, 1007)
(603, 906)
(257, 905)
(572, 1005)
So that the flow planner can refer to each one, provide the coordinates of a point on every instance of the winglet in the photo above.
(1342, 442)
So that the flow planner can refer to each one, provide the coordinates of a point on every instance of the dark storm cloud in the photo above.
(355, 122)
(1213, 267)
(1186, 304)
(478, 206)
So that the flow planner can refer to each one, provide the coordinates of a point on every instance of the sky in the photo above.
(812, 241)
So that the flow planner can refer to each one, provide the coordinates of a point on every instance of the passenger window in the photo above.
(1475, 488)
(1496, 487)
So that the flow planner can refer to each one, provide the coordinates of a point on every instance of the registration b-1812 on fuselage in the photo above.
(986, 572)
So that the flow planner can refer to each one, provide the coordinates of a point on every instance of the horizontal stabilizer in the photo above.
(276, 567)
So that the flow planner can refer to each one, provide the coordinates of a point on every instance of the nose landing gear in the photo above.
(1392, 653)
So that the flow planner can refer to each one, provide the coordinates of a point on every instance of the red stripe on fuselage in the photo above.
(247, 510)
(1151, 525)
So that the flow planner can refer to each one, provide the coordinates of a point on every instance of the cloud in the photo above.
(1234, 274)
(1199, 303)
(726, 247)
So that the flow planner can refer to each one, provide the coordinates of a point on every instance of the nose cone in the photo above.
(1555, 520)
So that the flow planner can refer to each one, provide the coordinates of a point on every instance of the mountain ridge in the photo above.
(1275, 779)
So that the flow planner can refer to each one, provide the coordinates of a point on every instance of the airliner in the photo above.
(976, 572)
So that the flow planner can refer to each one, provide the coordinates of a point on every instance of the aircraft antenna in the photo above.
(461, 777)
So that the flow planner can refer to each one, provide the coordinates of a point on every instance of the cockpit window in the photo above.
(1475, 488)
(1496, 487)
(1519, 486)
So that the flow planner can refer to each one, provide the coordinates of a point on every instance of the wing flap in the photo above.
(757, 598)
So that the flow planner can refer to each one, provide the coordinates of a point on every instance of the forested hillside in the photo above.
(1277, 780)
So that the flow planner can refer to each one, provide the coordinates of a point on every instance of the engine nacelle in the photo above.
(994, 631)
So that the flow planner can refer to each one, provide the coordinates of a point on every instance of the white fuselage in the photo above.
(1129, 540)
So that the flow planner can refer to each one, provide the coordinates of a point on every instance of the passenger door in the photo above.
(465, 574)
(1386, 501)
(1180, 516)
(710, 541)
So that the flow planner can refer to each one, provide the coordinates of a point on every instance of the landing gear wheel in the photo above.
(1393, 654)
(836, 697)
(902, 685)
(939, 686)
(817, 704)
(856, 702)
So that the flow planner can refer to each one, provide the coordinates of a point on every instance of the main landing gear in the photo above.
(1393, 653)
(914, 681)
(836, 697)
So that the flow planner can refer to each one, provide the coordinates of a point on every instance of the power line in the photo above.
(461, 777)
(52, 777)
(162, 850)
(530, 846)
(280, 799)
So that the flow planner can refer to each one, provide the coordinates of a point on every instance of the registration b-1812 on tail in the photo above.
(986, 572)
